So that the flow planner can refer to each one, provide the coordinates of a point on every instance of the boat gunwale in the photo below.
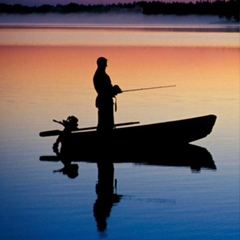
(152, 125)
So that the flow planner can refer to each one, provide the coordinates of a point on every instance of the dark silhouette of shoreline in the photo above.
(228, 10)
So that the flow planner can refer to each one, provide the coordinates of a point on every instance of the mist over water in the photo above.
(113, 29)
(110, 18)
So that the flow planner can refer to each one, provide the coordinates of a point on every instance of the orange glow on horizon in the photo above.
(115, 36)
(60, 79)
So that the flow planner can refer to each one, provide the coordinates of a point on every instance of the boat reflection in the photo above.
(70, 169)
(192, 156)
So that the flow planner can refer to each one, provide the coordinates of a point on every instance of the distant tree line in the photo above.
(222, 8)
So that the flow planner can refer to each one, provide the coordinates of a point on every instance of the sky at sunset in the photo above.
(54, 2)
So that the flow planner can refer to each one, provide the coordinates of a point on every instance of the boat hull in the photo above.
(139, 138)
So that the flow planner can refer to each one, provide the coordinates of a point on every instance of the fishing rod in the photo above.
(148, 88)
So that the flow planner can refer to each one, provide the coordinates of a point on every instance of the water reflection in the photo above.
(69, 169)
(192, 156)
(106, 198)
(188, 155)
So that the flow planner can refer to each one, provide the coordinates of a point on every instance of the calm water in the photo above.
(46, 73)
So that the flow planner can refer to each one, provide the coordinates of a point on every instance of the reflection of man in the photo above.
(106, 92)
(106, 196)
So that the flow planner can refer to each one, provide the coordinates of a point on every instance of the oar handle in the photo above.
(50, 133)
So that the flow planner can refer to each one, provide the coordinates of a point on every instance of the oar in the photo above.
(57, 132)
(49, 158)
(148, 88)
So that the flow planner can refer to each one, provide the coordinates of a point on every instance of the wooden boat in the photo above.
(138, 138)
(192, 156)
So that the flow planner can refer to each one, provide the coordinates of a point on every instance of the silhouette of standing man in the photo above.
(104, 101)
